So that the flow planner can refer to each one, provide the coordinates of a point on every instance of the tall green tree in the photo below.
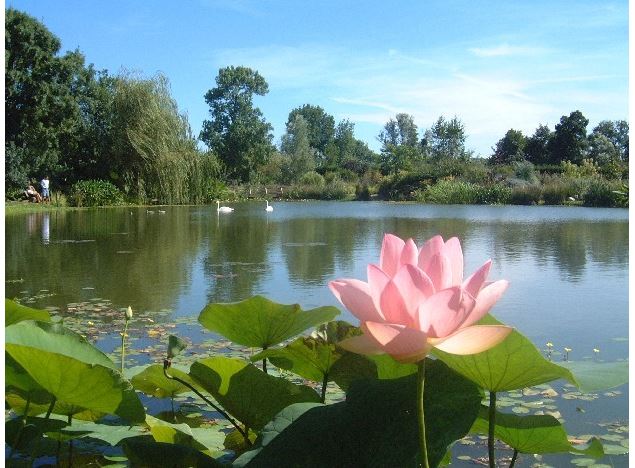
(237, 131)
(42, 114)
(536, 149)
(569, 142)
(616, 131)
(342, 147)
(602, 150)
(446, 139)
(295, 144)
(399, 144)
(510, 148)
(321, 128)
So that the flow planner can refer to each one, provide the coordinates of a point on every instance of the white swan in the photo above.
(223, 209)
(268, 207)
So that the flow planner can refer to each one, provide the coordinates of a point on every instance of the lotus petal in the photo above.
(355, 296)
(361, 344)
(440, 272)
(390, 257)
(475, 282)
(454, 252)
(431, 248)
(474, 339)
(445, 312)
(486, 299)
(404, 344)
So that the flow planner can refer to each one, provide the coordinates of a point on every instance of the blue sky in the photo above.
(494, 64)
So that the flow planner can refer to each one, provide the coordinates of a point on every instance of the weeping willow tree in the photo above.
(155, 157)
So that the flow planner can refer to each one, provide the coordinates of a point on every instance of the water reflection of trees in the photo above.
(133, 257)
(569, 246)
(127, 256)
(236, 258)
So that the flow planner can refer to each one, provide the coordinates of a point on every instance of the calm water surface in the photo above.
(567, 266)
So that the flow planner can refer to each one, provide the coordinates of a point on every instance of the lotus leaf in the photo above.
(375, 426)
(533, 434)
(14, 313)
(71, 369)
(261, 323)
(246, 392)
(516, 363)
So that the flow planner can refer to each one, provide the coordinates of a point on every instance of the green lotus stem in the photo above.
(123, 345)
(70, 444)
(245, 435)
(19, 434)
(51, 406)
(491, 428)
(514, 457)
(325, 382)
(421, 366)
(264, 362)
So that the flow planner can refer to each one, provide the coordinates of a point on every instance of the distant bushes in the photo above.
(95, 193)
(529, 194)
(464, 193)
(606, 194)
(335, 189)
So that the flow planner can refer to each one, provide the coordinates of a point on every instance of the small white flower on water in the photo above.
(595, 350)
(128, 313)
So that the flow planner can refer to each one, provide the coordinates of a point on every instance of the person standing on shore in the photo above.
(45, 184)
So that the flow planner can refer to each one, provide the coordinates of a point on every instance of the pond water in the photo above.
(567, 266)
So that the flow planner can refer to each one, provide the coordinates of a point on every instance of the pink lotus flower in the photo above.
(417, 299)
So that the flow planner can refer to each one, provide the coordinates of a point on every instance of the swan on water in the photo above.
(268, 207)
(223, 209)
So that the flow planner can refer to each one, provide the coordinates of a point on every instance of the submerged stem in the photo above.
(492, 427)
(421, 365)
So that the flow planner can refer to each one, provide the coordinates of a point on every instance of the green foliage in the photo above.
(153, 382)
(458, 193)
(533, 434)
(516, 363)
(527, 194)
(58, 360)
(237, 132)
(246, 392)
(569, 141)
(14, 313)
(605, 194)
(259, 322)
(377, 414)
(321, 128)
(403, 186)
(144, 453)
(95, 193)
(315, 357)
(445, 139)
(510, 148)
(296, 145)
(334, 189)
(312, 178)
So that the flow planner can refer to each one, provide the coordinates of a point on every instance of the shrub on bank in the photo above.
(95, 193)
(454, 192)
(336, 189)
(529, 194)
(604, 194)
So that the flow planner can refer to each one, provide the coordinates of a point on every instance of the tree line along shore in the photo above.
(109, 139)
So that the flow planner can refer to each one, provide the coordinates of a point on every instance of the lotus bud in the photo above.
(128, 313)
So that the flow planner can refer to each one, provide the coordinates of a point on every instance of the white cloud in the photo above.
(370, 88)
(506, 50)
